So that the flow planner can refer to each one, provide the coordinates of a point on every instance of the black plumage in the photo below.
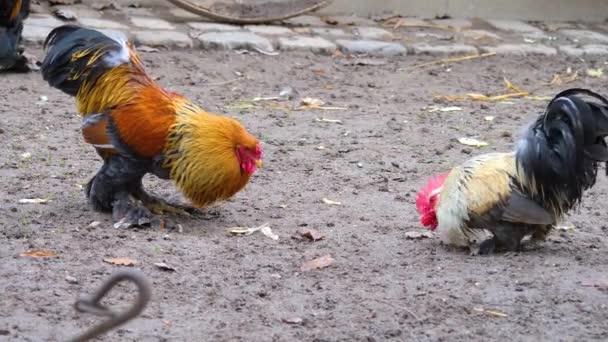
(558, 154)
(76, 54)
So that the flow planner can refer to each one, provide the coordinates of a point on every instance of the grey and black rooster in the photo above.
(497, 199)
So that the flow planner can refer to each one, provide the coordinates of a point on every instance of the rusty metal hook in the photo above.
(92, 304)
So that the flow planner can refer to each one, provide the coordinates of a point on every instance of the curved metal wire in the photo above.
(206, 12)
(92, 304)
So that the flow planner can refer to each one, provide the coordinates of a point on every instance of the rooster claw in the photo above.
(162, 208)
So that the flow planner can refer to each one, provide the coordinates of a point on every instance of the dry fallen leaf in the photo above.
(39, 253)
(243, 230)
(312, 234)
(261, 99)
(559, 79)
(599, 72)
(328, 120)
(265, 229)
(268, 232)
(163, 266)
(33, 201)
(330, 202)
(566, 227)
(444, 109)
(491, 312)
(329, 20)
(472, 142)
(293, 320)
(121, 261)
(311, 102)
(413, 235)
(318, 263)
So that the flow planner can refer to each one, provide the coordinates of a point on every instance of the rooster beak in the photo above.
(259, 163)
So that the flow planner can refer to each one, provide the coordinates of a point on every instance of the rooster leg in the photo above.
(128, 212)
(160, 206)
(115, 176)
(509, 235)
(22, 64)
(486, 247)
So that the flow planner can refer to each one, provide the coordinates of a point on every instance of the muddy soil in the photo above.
(381, 287)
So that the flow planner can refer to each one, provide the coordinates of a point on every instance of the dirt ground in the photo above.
(382, 286)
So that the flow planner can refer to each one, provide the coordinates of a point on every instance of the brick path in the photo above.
(350, 34)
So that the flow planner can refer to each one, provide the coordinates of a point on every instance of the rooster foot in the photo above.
(160, 206)
(128, 212)
(23, 63)
(486, 247)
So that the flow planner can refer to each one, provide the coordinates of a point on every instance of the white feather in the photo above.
(122, 56)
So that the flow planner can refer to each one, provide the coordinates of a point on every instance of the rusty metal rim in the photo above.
(205, 12)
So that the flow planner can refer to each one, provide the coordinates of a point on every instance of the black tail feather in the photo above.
(559, 153)
(76, 55)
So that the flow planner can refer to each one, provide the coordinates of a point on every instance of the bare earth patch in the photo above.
(370, 158)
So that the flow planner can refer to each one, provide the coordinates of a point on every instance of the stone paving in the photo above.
(176, 28)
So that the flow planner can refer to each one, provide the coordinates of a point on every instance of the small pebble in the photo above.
(71, 280)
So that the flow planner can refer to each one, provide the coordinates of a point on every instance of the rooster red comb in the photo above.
(422, 199)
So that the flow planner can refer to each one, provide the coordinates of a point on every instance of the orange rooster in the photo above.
(496, 199)
(137, 127)
(12, 14)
